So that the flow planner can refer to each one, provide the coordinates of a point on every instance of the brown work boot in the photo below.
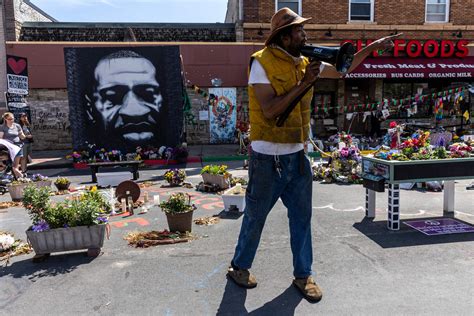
(242, 278)
(309, 289)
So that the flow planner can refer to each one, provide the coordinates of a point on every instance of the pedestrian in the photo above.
(13, 133)
(27, 142)
(278, 165)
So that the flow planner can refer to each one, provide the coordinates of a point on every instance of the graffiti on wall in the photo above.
(124, 97)
(222, 115)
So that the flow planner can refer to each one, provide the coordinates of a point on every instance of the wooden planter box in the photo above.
(219, 180)
(16, 190)
(67, 239)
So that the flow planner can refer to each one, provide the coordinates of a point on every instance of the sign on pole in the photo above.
(17, 75)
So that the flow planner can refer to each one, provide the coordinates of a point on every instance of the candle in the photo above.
(156, 199)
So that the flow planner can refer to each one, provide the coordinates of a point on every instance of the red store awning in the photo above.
(414, 68)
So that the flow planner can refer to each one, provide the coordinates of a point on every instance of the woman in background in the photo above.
(27, 142)
(13, 133)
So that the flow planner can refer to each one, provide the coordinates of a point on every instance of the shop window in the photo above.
(437, 11)
(402, 91)
(361, 10)
(294, 5)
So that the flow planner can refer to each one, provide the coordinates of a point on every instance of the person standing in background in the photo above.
(27, 142)
(13, 133)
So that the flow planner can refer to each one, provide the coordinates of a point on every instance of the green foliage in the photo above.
(177, 203)
(62, 181)
(216, 170)
(36, 201)
(91, 208)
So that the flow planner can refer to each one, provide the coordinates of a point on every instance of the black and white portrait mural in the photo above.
(124, 97)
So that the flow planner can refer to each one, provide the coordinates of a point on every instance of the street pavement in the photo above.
(363, 268)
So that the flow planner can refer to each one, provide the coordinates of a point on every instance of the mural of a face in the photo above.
(127, 99)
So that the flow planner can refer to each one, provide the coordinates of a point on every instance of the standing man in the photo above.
(278, 166)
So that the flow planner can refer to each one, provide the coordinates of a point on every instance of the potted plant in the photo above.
(17, 187)
(62, 183)
(175, 176)
(75, 224)
(216, 174)
(179, 212)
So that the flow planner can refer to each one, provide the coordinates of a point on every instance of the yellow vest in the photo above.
(283, 75)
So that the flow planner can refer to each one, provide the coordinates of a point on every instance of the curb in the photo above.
(193, 159)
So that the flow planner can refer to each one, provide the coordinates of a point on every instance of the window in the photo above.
(294, 5)
(437, 11)
(361, 10)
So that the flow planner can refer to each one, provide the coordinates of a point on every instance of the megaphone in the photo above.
(340, 57)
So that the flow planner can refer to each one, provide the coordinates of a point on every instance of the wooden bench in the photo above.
(133, 164)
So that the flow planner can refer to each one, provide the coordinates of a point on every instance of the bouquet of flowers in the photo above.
(460, 150)
(175, 176)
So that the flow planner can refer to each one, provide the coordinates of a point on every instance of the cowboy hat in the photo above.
(283, 18)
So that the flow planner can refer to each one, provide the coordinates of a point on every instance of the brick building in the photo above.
(432, 33)
(13, 13)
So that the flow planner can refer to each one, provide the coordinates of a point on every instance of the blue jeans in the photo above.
(295, 188)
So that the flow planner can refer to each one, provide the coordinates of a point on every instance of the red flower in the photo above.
(393, 124)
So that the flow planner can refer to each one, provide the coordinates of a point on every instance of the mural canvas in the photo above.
(125, 97)
(222, 114)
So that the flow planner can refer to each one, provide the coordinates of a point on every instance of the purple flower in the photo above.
(102, 219)
(41, 226)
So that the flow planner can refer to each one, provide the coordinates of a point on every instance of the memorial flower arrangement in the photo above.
(9, 246)
(460, 150)
(418, 147)
(344, 165)
(216, 170)
(89, 208)
(178, 203)
(175, 176)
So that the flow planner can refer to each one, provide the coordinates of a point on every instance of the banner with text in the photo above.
(406, 68)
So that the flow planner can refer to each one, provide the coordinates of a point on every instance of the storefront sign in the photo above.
(17, 75)
(441, 226)
(428, 49)
(406, 68)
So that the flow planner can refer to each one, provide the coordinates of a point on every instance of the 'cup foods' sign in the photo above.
(415, 48)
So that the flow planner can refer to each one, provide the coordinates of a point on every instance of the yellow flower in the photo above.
(93, 189)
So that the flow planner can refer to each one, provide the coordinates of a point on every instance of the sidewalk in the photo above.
(57, 158)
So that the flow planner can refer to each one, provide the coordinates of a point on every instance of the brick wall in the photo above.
(50, 119)
(52, 131)
(3, 52)
(407, 16)
(104, 32)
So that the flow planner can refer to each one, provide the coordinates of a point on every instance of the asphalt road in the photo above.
(363, 268)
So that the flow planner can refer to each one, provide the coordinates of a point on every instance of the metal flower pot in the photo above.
(16, 190)
(67, 239)
(180, 222)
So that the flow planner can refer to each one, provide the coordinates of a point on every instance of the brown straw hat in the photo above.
(283, 18)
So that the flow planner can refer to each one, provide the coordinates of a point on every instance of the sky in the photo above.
(159, 11)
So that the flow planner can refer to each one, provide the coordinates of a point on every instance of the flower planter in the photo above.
(233, 200)
(180, 222)
(16, 190)
(62, 186)
(216, 179)
(67, 239)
